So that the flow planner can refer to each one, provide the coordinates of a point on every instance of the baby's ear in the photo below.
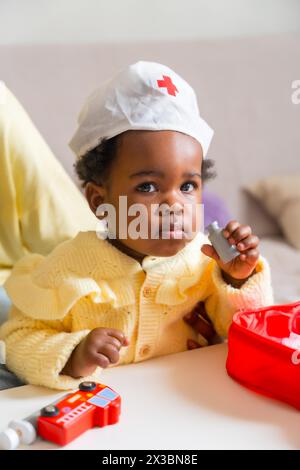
(95, 195)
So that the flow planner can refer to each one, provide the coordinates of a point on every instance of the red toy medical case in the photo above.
(263, 353)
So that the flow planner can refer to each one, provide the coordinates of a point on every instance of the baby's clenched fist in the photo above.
(99, 348)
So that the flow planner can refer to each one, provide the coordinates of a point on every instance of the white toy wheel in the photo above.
(9, 439)
(25, 430)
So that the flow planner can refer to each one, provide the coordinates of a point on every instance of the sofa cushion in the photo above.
(280, 196)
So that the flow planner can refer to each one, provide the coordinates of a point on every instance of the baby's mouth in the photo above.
(172, 231)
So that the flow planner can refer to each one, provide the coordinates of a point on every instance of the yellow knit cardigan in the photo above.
(86, 282)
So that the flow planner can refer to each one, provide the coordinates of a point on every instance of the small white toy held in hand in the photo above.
(225, 250)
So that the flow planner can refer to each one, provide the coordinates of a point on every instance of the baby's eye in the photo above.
(188, 187)
(146, 188)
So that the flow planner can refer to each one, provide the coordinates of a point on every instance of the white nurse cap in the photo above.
(141, 96)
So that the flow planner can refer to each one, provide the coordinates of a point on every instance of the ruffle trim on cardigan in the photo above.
(46, 303)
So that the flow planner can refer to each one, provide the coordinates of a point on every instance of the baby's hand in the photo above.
(201, 323)
(246, 242)
(100, 348)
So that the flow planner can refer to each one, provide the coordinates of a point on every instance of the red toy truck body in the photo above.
(92, 405)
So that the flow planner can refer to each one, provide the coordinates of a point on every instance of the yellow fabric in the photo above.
(86, 283)
(40, 206)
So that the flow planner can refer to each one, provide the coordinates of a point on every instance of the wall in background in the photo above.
(82, 21)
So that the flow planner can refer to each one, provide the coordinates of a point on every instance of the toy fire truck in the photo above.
(65, 419)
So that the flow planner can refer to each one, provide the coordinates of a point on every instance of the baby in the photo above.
(125, 295)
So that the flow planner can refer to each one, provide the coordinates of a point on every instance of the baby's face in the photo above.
(156, 168)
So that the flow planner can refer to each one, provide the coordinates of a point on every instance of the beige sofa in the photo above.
(244, 92)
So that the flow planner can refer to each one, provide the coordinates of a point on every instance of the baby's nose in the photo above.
(166, 209)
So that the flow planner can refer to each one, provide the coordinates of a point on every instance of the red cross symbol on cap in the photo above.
(167, 82)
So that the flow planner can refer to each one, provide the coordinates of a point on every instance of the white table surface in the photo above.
(179, 401)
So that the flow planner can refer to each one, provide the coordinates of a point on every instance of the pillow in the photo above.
(257, 217)
(214, 209)
(280, 196)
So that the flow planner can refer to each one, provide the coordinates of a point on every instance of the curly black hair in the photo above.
(94, 166)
